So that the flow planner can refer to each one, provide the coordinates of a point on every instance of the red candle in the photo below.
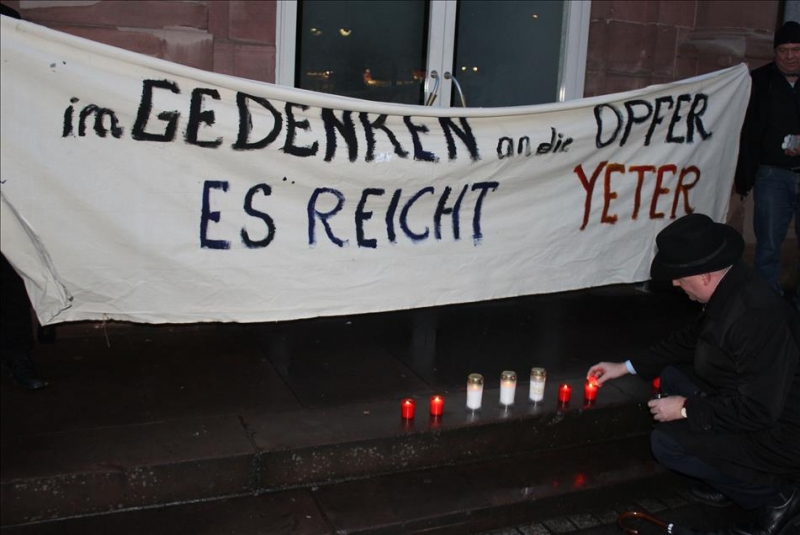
(656, 385)
(407, 409)
(437, 405)
(590, 390)
(564, 393)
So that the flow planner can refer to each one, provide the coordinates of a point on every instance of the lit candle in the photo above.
(657, 385)
(590, 390)
(437, 405)
(538, 379)
(508, 387)
(474, 391)
(407, 408)
(564, 393)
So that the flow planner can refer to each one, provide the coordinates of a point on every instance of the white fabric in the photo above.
(107, 219)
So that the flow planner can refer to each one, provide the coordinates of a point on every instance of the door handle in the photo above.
(449, 76)
(433, 94)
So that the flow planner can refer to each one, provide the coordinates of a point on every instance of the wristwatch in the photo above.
(683, 410)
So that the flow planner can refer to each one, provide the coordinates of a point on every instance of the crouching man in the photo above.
(731, 418)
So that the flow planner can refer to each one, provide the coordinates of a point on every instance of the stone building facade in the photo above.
(632, 43)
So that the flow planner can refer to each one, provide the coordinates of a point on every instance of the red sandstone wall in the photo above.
(633, 44)
(229, 37)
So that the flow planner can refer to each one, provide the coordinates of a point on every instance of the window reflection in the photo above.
(508, 54)
(364, 49)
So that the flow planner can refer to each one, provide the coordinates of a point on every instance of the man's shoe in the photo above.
(708, 495)
(781, 516)
(22, 369)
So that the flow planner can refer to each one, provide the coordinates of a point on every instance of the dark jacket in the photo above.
(746, 347)
(772, 112)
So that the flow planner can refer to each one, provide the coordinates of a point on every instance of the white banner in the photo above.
(137, 189)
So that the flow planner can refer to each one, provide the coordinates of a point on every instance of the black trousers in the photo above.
(671, 454)
(16, 325)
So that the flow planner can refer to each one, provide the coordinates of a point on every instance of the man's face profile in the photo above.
(694, 286)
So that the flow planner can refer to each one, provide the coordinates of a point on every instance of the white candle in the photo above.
(508, 387)
(474, 391)
(538, 379)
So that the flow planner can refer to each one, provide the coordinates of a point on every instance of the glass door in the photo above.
(437, 52)
(508, 53)
(374, 50)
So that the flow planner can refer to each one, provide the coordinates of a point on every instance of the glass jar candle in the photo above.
(508, 387)
(538, 379)
(474, 391)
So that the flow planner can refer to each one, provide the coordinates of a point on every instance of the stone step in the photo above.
(581, 487)
(86, 472)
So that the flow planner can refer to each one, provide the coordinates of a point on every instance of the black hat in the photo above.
(788, 33)
(695, 244)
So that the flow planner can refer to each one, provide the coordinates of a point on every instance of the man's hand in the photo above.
(603, 371)
(790, 145)
(666, 409)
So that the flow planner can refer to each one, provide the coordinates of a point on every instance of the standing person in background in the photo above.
(731, 418)
(767, 163)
